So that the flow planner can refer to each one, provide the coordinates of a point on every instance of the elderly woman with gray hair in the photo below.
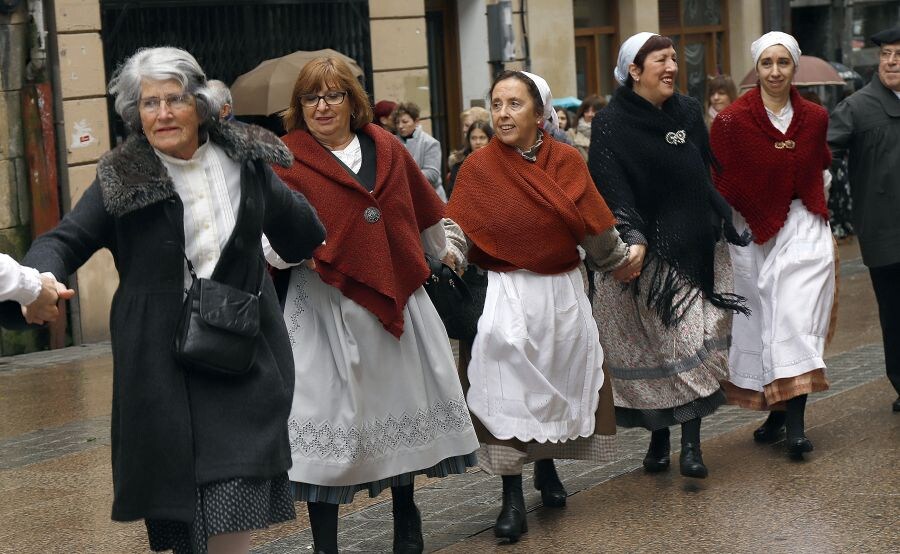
(201, 457)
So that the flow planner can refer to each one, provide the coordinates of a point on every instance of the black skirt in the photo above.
(230, 506)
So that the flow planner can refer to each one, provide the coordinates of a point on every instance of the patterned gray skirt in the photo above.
(230, 506)
(662, 375)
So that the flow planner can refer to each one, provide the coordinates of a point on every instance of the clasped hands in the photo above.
(44, 308)
(629, 271)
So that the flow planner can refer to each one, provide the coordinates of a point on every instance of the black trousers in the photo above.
(886, 282)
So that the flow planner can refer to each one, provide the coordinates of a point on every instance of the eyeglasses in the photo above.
(175, 102)
(889, 55)
(332, 98)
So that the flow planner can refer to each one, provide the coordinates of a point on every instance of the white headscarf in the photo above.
(551, 120)
(771, 39)
(627, 53)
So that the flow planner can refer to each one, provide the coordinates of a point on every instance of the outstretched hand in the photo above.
(44, 308)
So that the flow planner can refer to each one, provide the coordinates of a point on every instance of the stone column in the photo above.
(83, 85)
(400, 54)
(551, 34)
(745, 24)
(637, 16)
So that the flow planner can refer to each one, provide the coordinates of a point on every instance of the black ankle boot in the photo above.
(407, 522)
(657, 458)
(772, 429)
(546, 480)
(691, 461)
(511, 522)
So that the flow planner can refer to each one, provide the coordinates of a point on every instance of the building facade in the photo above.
(440, 54)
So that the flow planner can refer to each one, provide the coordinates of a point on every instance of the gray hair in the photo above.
(219, 94)
(162, 63)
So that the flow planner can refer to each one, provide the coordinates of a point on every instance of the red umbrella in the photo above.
(812, 71)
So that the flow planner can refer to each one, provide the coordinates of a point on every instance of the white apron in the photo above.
(789, 286)
(536, 367)
(368, 406)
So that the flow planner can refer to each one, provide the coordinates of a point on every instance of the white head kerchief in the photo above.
(551, 120)
(771, 39)
(627, 52)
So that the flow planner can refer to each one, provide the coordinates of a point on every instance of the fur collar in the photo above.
(132, 177)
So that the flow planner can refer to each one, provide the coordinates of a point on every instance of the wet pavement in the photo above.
(56, 488)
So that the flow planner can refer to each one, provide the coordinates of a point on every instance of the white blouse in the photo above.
(782, 120)
(209, 185)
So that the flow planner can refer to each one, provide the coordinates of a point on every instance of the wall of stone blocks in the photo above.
(82, 80)
(400, 54)
(15, 210)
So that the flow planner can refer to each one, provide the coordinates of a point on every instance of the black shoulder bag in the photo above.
(458, 300)
(218, 327)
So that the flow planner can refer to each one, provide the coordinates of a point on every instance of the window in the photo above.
(699, 29)
(596, 44)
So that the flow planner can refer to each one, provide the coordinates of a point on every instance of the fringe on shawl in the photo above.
(670, 294)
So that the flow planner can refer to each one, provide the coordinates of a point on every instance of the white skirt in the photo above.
(789, 286)
(367, 405)
(536, 367)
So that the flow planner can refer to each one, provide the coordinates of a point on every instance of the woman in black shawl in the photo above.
(665, 334)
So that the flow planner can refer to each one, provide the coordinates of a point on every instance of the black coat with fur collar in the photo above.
(173, 429)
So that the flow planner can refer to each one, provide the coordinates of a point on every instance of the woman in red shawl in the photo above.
(773, 157)
(536, 386)
(377, 399)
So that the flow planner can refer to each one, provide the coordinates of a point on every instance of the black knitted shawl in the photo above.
(652, 167)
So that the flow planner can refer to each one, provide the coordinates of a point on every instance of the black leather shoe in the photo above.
(896, 405)
(408, 532)
(691, 461)
(772, 429)
(546, 480)
(658, 454)
(798, 446)
(511, 523)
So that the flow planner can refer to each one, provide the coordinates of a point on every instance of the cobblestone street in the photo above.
(56, 486)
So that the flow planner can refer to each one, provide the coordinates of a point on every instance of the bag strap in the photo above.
(193, 273)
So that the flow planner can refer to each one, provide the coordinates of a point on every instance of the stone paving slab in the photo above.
(47, 444)
(454, 508)
(461, 506)
(51, 358)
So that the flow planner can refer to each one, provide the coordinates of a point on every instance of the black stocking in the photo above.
(323, 519)
(690, 432)
(796, 409)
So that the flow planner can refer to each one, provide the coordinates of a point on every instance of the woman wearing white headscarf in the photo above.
(771, 147)
(534, 373)
(666, 334)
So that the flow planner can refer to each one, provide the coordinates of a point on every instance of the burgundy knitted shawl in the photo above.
(527, 215)
(762, 169)
(373, 253)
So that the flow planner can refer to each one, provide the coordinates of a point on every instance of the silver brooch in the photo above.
(676, 138)
(372, 215)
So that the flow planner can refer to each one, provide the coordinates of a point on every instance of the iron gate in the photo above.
(230, 38)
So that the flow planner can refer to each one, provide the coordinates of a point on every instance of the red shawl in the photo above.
(758, 178)
(377, 265)
(524, 215)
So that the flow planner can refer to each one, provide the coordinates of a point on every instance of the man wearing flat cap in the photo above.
(866, 126)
